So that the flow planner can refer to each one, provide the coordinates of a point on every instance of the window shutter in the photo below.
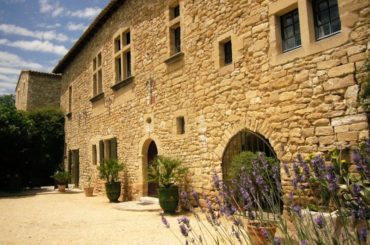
(113, 148)
(101, 151)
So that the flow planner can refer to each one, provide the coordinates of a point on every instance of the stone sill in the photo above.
(174, 58)
(97, 97)
(122, 83)
(69, 115)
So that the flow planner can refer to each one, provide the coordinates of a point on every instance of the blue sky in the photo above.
(35, 34)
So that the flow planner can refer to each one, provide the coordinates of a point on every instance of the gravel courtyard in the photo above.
(75, 219)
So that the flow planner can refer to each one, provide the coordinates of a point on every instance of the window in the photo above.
(175, 12)
(176, 39)
(225, 52)
(174, 29)
(70, 99)
(290, 31)
(97, 75)
(94, 155)
(108, 149)
(228, 54)
(180, 123)
(122, 56)
(326, 18)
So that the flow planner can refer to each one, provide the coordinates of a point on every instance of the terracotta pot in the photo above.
(89, 191)
(255, 229)
(61, 187)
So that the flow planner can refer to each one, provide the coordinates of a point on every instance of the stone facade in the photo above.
(37, 90)
(302, 101)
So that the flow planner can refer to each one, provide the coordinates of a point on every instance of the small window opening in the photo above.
(94, 155)
(228, 53)
(180, 122)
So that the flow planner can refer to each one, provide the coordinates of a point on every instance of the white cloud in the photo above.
(44, 35)
(76, 26)
(10, 68)
(9, 60)
(87, 13)
(36, 45)
(49, 26)
(53, 8)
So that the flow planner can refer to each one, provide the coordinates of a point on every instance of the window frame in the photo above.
(283, 18)
(97, 65)
(122, 60)
(316, 14)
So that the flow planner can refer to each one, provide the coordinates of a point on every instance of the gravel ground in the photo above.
(75, 219)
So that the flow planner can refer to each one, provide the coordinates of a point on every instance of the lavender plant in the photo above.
(228, 216)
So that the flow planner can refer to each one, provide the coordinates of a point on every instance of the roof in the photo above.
(88, 34)
(38, 73)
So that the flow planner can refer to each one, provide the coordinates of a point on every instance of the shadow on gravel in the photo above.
(37, 191)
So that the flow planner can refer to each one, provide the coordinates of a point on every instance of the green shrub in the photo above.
(109, 170)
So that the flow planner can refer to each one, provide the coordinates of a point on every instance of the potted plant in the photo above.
(62, 178)
(89, 190)
(168, 173)
(109, 170)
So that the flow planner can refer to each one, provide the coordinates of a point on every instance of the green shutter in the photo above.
(113, 148)
(101, 151)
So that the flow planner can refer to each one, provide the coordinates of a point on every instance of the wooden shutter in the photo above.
(101, 151)
(113, 148)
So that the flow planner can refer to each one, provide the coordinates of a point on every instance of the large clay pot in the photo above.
(61, 187)
(113, 191)
(255, 228)
(89, 191)
(169, 198)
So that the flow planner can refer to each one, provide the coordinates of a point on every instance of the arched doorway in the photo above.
(245, 140)
(151, 155)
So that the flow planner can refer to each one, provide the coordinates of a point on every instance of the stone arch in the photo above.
(261, 127)
(143, 160)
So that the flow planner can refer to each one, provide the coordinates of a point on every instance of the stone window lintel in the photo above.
(174, 58)
(97, 97)
(122, 83)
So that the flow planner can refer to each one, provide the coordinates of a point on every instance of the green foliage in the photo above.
(31, 144)
(252, 166)
(166, 171)
(109, 170)
(61, 177)
(364, 96)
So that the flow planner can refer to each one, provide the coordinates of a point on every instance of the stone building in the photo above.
(202, 80)
(36, 90)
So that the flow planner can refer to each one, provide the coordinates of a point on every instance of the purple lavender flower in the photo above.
(286, 169)
(184, 220)
(264, 233)
(164, 221)
(319, 221)
(356, 156)
(196, 197)
(184, 230)
(216, 181)
(356, 190)
(332, 180)
(297, 210)
(304, 242)
(277, 241)
(318, 166)
(362, 234)
(306, 170)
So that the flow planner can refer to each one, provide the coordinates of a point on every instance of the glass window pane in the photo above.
(288, 32)
(298, 40)
(335, 26)
(334, 14)
(323, 5)
(290, 43)
(99, 59)
(100, 81)
(324, 17)
(296, 29)
(333, 3)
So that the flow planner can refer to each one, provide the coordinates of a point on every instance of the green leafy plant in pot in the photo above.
(62, 178)
(109, 170)
(168, 173)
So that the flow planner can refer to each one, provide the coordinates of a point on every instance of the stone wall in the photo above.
(301, 102)
(37, 90)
